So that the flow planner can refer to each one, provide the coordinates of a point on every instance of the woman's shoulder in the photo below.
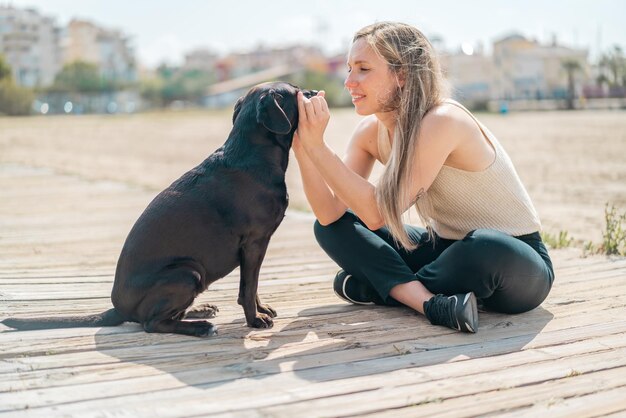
(365, 137)
(366, 134)
(448, 113)
(449, 120)
(368, 127)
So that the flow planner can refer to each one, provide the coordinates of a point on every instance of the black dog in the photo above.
(217, 216)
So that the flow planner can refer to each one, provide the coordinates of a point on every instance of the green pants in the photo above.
(508, 274)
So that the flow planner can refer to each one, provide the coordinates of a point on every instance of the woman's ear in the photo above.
(401, 78)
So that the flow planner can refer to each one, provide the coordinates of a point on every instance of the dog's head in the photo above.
(274, 105)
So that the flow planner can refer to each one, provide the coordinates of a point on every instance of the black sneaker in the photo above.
(458, 312)
(354, 290)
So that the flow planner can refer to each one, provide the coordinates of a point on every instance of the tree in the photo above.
(14, 100)
(571, 67)
(612, 66)
(5, 69)
(80, 76)
(614, 63)
(172, 84)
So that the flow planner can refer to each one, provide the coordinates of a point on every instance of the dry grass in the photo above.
(572, 163)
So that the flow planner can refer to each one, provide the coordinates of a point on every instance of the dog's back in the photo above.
(205, 215)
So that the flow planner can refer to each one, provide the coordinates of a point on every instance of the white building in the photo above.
(470, 74)
(30, 43)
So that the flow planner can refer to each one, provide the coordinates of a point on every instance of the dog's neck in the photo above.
(262, 152)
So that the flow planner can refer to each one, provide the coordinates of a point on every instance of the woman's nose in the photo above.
(349, 82)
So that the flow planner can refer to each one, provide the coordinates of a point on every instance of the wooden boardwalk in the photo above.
(60, 236)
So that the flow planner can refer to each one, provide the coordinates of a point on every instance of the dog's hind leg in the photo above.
(193, 328)
(164, 307)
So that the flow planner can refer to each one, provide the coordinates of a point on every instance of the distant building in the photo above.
(240, 64)
(225, 93)
(109, 49)
(470, 76)
(524, 69)
(30, 43)
(237, 72)
(201, 60)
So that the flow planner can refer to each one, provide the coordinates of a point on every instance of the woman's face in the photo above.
(370, 81)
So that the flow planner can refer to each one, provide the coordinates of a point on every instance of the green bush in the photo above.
(15, 100)
(80, 76)
(171, 84)
(614, 235)
(563, 240)
(5, 69)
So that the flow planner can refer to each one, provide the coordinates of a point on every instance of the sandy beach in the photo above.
(572, 163)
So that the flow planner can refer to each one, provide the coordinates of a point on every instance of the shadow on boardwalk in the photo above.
(319, 344)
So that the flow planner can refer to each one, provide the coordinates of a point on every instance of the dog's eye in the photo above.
(279, 99)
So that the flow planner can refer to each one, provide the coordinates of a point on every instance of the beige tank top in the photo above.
(460, 201)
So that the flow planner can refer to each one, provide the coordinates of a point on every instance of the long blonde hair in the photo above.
(412, 59)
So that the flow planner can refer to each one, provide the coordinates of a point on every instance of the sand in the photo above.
(572, 163)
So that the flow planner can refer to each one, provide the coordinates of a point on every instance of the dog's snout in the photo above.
(309, 93)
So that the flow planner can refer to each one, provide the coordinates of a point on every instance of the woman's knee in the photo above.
(518, 276)
(507, 253)
(496, 249)
(519, 296)
(486, 238)
(339, 229)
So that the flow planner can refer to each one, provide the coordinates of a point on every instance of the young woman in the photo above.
(482, 238)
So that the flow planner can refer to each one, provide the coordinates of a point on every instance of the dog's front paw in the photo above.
(262, 321)
(267, 309)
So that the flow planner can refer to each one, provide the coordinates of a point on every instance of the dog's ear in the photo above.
(271, 115)
(237, 108)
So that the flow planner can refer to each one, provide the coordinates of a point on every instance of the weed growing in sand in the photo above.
(613, 236)
(563, 240)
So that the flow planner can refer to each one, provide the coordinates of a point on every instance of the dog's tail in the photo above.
(105, 319)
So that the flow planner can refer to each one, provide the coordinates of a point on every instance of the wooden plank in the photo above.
(323, 357)
(606, 403)
(184, 363)
(341, 368)
(289, 388)
(603, 385)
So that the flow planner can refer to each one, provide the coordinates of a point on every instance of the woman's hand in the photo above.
(313, 119)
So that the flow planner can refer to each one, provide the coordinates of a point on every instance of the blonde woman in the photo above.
(482, 238)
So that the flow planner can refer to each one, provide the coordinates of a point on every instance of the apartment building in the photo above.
(31, 44)
(109, 49)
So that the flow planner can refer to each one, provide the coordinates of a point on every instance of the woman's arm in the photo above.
(349, 187)
(438, 138)
(326, 205)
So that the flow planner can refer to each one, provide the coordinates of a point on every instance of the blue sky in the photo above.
(164, 30)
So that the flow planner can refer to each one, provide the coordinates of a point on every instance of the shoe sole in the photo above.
(473, 317)
(345, 295)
